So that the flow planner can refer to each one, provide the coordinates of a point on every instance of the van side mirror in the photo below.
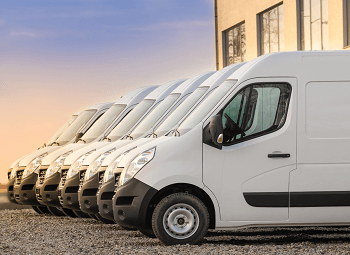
(216, 130)
(78, 136)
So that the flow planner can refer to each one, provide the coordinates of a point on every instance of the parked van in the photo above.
(109, 171)
(89, 186)
(11, 175)
(267, 148)
(51, 164)
(69, 185)
(27, 170)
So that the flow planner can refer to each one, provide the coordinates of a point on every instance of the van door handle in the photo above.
(278, 155)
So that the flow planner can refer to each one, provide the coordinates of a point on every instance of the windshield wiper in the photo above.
(153, 135)
(55, 143)
(129, 136)
(107, 139)
(81, 139)
(172, 132)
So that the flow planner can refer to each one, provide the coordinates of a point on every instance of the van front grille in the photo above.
(116, 178)
(42, 173)
(63, 177)
(81, 178)
(100, 179)
(19, 175)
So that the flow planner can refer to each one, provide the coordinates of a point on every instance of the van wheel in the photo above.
(147, 232)
(56, 211)
(81, 214)
(180, 218)
(69, 212)
(44, 210)
(103, 220)
(35, 208)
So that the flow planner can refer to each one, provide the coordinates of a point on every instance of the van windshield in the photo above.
(75, 127)
(154, 116)
(62, 129)
(103, 123)
(130, 120)
(180, 111)
(205, 107)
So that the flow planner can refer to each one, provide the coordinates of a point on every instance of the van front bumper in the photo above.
(24, 191)
(10, 194)
(130, 203)
(87, 195)
(46, 190)
(68, 194)
(104, 199)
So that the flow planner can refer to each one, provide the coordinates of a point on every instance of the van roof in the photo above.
(99, 106)
(164, 90)
(192, 83)
(306, 65)
(136, 94)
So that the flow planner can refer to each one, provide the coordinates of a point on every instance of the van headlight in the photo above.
(13, 171)
(34, 165)
(109, 174)
(57, 164)
(75, 167)
(92, 169)
(136, 165)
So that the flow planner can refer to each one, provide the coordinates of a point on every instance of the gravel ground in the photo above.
(26, 232)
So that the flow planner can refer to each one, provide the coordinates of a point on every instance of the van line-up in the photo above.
(257, 144)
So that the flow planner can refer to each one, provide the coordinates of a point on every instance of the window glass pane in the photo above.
(256, 109)
(62, 129)
(348, 17)
(235, 44)
(314, 24)
(272, 30)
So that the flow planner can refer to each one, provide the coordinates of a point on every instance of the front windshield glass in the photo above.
(205, 107)
(62, 129)
(154, 116)
(75, 126)
(130, 120)
(103, 123)
(180, 111)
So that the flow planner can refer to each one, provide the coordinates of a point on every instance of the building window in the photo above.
(314, 24)
(234, 45)
(271, 30)
(347, 16)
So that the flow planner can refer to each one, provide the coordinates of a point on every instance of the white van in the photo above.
(28, 165)
(267, 148)
(107, 122)
(140, 112)
(110, 167)
(89, 186)
(11, 174)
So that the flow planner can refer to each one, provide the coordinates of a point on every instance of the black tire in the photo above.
(81, 214)
(92, 216)
(69, 212)
(147, 232)
(56, 211)
(189, 215)
(35, 208)
(44, 209)
(127, 228)
(104, 220)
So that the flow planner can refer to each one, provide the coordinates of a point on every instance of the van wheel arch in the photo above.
(176, 188)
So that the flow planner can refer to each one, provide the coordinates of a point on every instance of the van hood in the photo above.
(64, 149)
(83, 150)
(25, 161)
(110, 158)
(152, 143)
(109, 146)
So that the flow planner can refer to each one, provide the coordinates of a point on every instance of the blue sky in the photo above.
(58, 57)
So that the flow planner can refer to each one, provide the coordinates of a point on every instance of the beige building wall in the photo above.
(232, 12)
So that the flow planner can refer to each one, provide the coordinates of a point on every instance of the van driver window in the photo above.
(256, 110)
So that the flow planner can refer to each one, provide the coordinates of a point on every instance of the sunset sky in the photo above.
(57, 57)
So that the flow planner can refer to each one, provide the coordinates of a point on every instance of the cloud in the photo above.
(24, 33)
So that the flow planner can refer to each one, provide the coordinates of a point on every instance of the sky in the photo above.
(60, 56)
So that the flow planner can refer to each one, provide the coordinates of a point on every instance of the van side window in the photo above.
(256, 110)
